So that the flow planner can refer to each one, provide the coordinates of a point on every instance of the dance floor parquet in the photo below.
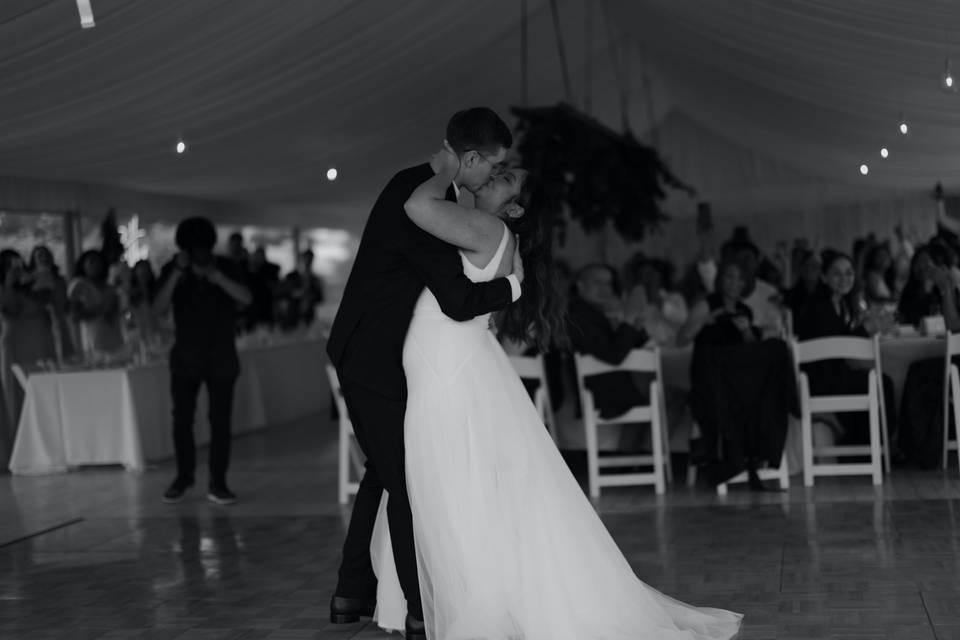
(94, 554)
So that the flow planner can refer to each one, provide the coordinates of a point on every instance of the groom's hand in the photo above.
(518, 262)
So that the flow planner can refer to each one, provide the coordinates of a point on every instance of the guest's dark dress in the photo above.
(820, 319)
(742, 394)
(920, 432)
(796, 299)
(592, 333)
(916, 303)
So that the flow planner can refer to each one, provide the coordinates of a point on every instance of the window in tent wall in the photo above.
(23, 230)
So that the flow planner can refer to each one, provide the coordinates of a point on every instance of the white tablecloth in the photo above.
(123, 416)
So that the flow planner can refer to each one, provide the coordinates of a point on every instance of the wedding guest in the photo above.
(921, 297)
(27, 334)
(878, 275)
(836, 309)
(95, 305)
(302, 293)
(264, 282)
(664, 311)
(762, 297)
(602, 326)
(742, 387)
(141, 293)
(47, 277)
(204, 291)
(808, 279)
(920, 430)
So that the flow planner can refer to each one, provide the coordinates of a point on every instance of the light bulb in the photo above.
(884, 153)
(948, 81)
(181, 146)
(903, 128)
(864, 169)
(331, 174)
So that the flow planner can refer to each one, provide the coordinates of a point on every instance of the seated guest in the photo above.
(921, 297)
(95, 305)
(835, 309)
(741, 388)
(664, 311)
(878, 275)
(600, 325)
(920, 432)
(762, 297)
(729, 320)
(808, 279)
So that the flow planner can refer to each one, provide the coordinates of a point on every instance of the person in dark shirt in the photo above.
(302, 293)
(835, 309)
(205, 291)
(264, 280)
(600, 325)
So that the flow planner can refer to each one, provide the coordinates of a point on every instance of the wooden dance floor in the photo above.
(94, 554)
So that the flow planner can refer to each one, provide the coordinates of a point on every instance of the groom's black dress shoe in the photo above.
(347, 610)
(415, 629)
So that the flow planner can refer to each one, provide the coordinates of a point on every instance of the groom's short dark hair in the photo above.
(480, 129)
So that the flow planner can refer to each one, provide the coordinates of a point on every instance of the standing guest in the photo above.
(204, 290)
(302, 292)
(46, 276)
(95, 305)
(263, 280)
(142, 291)
(27, 333)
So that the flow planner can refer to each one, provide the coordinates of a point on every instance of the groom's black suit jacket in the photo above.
(396, 259)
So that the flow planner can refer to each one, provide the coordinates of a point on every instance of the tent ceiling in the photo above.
(269, 95)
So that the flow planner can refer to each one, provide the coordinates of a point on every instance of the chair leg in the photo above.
(875, 455)
(806, 434)
(691, 475)
(784, 473)
(344, 470)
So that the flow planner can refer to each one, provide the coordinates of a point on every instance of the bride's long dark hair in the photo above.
(539, 317)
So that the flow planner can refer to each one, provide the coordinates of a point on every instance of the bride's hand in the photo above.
(445, 161)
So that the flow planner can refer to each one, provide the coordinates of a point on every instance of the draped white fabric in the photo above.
(269, 95)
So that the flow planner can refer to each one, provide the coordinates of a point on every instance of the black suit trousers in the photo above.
(378, 424)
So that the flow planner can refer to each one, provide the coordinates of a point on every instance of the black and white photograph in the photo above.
(461, 320)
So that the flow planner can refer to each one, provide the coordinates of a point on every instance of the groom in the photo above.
(394, 263)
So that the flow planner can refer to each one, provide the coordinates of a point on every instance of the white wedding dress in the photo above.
(508, 546)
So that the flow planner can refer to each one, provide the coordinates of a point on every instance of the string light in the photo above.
(884, 153)
(181, 146)
(86, 14)
(903, 128)
(864, 169)
(331, 174)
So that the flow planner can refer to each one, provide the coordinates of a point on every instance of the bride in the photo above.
(507, 544)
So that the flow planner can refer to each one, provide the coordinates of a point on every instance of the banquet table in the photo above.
(123, 415)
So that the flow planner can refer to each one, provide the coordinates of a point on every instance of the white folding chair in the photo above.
(951, 396)
(532, 368)
(638, 360)
(842, 348)
(351, 458)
